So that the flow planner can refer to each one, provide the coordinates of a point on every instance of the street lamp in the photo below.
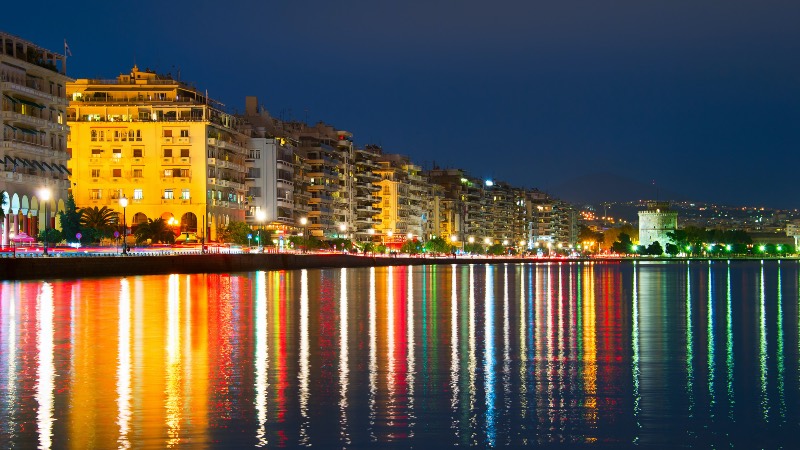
(260, 217)
(44, 195)
(304, 222)
(342, 229)
(123, 202)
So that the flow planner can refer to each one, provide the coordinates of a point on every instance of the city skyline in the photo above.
(692, 97)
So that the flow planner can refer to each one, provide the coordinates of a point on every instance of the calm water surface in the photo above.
(615, 355)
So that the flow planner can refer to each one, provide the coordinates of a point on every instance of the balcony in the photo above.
(166, 139)
(167, 201)
(183, 140)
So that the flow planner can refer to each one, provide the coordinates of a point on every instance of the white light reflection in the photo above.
(729, 342)
(173, 400)
(473, 360)
(373, 357)
(711, 347)
(523, 350)
(689, 342)
(762, 338)
(124, 365)
(46, 369)
(8, 302)
(780, 356)
(637, 397)
(410, 351)
(261, 356)
(488, 358)
(506, 346)
(344, 364)
(304, 353)
(454, 367)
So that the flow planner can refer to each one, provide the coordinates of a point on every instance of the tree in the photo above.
(437, 245)
(70, 220)
(623, 244)
(155, 231)
(2, 205)
(496, 249)
(236, 232)
(672, 249)
(655, 249)
(53, 236)
(98, 223)
(613, 234)
(380, 248)
(412, 247)
(474, 248)
(341, 244)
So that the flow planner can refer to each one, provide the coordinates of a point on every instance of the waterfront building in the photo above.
(161, 143)
(655, 222)
(33, 143)
(270, 171)
(367, 217)
(402, 200)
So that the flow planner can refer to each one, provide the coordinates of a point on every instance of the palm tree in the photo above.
(154, 230)
(102, 221)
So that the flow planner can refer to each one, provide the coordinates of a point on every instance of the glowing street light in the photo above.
(44, 195)
(123, 202)
(487, 241)
(342, 229)
(471, 240)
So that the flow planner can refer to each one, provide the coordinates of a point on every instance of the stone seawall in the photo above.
(102, 266)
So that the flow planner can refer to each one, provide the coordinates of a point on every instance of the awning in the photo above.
(26, 102)
(47, 166)
(27, 131)
(10, 98)
(64, 169)
(25, 162)
(37, 164)
(57, 169)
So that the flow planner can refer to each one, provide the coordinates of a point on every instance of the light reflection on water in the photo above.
(689, 354)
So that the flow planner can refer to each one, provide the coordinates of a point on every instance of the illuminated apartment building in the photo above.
(164, 145)
(33, 143)
(366, 192)
(271, 171)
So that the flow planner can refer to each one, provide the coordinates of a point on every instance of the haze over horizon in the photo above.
(705, 99)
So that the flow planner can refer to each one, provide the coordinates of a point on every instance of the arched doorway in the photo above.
(189, 223)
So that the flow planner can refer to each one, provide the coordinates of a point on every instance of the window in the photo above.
(183, 173)
(137, 173)
(137, 194)
(95, 173)
(94, 135)
(167, 133)
(167, 173)
(116, 153)
(138, 152)
(184, 153)
(184, 133)
(185, 194)
(168, 194)
(167, 153)
(97, 152)
(116, 173)
(97, 194)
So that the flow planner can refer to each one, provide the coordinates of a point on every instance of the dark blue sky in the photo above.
(701, 96)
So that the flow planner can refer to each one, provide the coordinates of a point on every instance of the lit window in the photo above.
(137, 194)
(184, 133)
(185, 194)
(97, 194)
(116, 153)
(168, 194)
(167, 174)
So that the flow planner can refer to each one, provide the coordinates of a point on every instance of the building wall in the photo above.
(654, 226)
(33, 136)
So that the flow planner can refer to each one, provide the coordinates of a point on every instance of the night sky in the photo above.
(702, 97)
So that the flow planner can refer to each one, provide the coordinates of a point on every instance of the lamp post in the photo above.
(44, 195)
(304, 222)
(123, 201)
(453, 239)
(261, 216)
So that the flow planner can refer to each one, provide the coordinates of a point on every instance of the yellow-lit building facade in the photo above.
(163, 145)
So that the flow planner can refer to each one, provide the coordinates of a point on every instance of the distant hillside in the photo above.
(596, 188)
